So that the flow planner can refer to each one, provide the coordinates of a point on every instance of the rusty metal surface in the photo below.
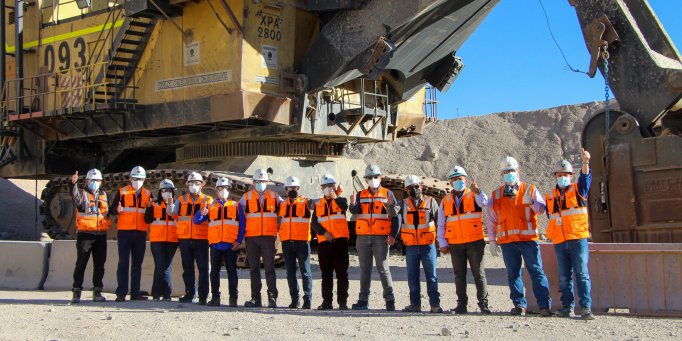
(644, 278)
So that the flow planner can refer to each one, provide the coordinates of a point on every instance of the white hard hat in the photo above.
(166, 184)
(457, 171)
(372, 170)
(138, 173)
(292, 181)
(328, 179)
(412, 180)
(194, 176)
(563, 166)
(260, 175)
(223, 182)
(94, 174)
(509, 163)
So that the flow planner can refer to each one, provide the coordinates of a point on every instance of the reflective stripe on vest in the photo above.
(163, 228)
(463, 222)
(373, 218)
(295, 223)
(223, 222)
(423, 230)
(131, 215)
(187, 229)
(261, 220)
(515, 220)
(330, 216)
(94, 219)
(571, 222)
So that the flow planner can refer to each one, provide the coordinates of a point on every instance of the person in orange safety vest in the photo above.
(163, 240)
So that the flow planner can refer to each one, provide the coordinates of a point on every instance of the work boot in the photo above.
(518, 311)
(294, 304)
(166, 298)
(412, 309)
(253, 303)
(460, 309)
(360, 305)
(156, 298)
(215, 301)
(202, 301)
(325, 306)
(545, 312)
(76, 295)
(120, 298)
(272, 301)
(233, 302)
(565, 312)
(390, 305)
(306, 304)
(342, 306)
(436, 310)
(485, 310)
(138, 297)
(97, 295)
(586, 314)
(188, 298)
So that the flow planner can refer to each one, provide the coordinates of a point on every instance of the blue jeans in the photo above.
(131, 244)
(163, 253)
(426, 255)
(298, 251)
(572, 256)
(512, 253)
(191, 251)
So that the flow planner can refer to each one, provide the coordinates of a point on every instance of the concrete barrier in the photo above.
(643, 278)
(23, 265)
(63, 261)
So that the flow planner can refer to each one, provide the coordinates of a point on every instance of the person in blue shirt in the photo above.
(226, 227)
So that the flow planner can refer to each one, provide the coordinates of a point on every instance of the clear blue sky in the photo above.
(512, 64)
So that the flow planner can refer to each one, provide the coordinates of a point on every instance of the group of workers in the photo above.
(202, 226)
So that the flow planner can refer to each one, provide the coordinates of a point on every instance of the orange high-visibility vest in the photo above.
(131, 216)
(223, 225)
(332, 218)
(515, 220)
(94, 219)
(164, 228)
(295, 223)
(463, 223)
(373, 218)
(187, 229)
(260, 220)
(418, 226)
(568, 218)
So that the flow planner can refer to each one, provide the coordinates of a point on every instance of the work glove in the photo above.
(495, 249)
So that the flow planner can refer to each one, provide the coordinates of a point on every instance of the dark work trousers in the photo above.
(257, 248)
(298, 251)
(163, 253)
(131, 244)
(473, 253)
(229, 258)
(86, 244)
(191, 251)
(333, 257)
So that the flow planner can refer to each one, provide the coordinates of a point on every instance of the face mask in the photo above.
(260, 186)
(194, 189)
(292, 194)
(563, 181)
(327, 191)
(374, 183)
(459, 185)
(93, 186)
(415, 192)
(137, 184)
(511, 178)
(223, 193)
(166, 195)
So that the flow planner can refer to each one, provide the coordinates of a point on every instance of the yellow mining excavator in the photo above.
(228, 86)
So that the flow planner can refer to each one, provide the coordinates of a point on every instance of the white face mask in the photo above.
(374, 183)
(223, 193)
(137, 184)
(166, 195)
(327, 191)
(194, 189)
(260, 186)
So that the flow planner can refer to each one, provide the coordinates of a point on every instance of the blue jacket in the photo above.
(200, 218)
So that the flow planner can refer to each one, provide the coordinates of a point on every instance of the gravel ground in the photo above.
(47, 315)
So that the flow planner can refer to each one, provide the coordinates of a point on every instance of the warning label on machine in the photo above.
(202, 79)
(191, 55)
(269, 55)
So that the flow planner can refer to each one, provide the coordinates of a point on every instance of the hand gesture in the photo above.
(474, 186)
(495, 250)
(444, 250)
(204, 211)
(235, 246)
(333, 195)
(328, 236)
(353, 196)
(170, 201)
(339, 190)
(585, 156)
(74, 178)
(390, 241)
(119, 208)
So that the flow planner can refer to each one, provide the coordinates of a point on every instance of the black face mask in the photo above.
(292, 194)
(415, 192)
